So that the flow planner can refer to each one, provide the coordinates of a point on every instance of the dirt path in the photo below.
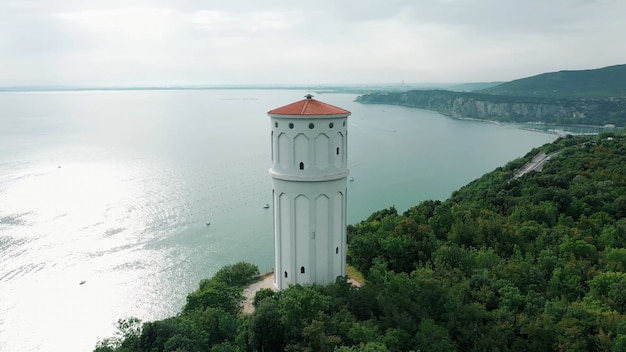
(266, 282)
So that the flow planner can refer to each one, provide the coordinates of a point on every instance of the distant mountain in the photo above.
(597, 83)
(474, 86)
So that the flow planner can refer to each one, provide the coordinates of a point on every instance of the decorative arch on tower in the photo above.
(284, 243)
(338, 149)
(339, 233)
(301, 149)
(322, 146)
(302, 233)
(283, 150)
(323, 241)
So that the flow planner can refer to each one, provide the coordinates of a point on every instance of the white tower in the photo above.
(309, 173)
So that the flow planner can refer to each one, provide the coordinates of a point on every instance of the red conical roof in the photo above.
(309, 106)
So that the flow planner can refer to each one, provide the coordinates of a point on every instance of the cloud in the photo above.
(116, 42)
(247, 23)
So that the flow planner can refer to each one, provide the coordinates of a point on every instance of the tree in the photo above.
(215, 294)
(238, 274)
(267, 331)
(615, 259)
(127, 335)
(432, 337)
(261, 295)
(298, 307)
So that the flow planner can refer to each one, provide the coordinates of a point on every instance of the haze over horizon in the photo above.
(242, 42)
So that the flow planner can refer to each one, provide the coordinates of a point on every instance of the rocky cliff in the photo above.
(598, 112)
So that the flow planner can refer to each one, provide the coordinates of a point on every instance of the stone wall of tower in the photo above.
(309, 173)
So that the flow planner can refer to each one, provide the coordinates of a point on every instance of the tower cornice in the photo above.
(309, 178)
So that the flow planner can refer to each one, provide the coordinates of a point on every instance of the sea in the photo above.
(116, 203)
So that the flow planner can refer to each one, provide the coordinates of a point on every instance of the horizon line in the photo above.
(359, 86)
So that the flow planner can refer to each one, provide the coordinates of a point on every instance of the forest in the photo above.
(535, 263)
(595, 83)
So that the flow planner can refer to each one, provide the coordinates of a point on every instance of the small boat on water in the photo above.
(351, 178)
(266, 206)
(208, 223)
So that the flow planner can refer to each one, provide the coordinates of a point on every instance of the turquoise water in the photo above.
(105, 196)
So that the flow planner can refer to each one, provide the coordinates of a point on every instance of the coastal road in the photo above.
(535, 165)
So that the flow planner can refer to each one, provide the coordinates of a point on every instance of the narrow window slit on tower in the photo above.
(337, 250)
(285, 274)
(301, 270)
(337, 150)
(301, 165)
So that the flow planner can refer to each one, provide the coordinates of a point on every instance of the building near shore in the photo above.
(309, 178)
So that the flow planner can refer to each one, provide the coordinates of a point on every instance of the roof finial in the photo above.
(308, 96)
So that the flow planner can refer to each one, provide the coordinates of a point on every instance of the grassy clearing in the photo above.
(355, 275)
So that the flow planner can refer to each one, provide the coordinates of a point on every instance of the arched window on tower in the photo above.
(285, 274)
(301, 270)
(301, 165)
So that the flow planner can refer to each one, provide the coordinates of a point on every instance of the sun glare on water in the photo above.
(81, 229)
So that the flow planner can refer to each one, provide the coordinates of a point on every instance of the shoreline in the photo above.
(505, 123)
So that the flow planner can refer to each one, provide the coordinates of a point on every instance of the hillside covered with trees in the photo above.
(589, 97)
(597, 83)
(535, 263)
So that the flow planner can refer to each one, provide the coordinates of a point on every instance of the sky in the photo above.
(236, 42)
